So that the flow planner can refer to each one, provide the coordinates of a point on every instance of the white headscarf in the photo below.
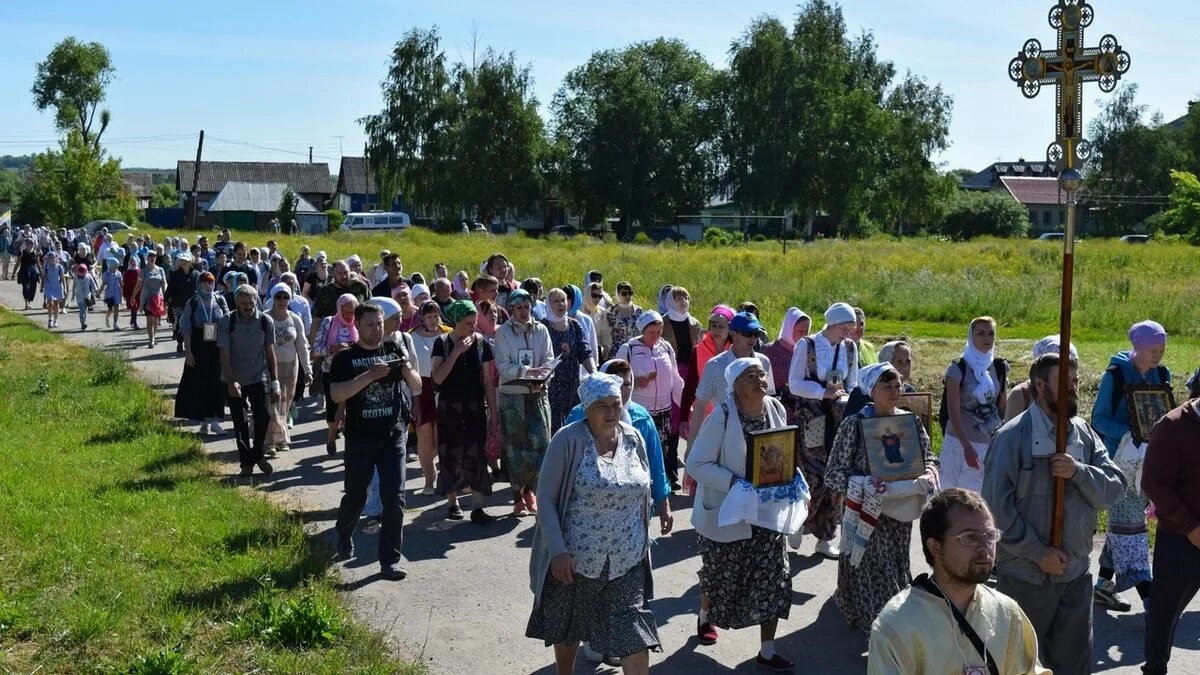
(598, 386)
(389, 306)
(1051, 344)
(790, 319)
(839, 312)
(674, 312)
(645, 319)
(888, 350)
(868, 377)
(280, 288)
(734, 370)
(980, 363)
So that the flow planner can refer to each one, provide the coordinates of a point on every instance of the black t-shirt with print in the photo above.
(381, 407)
(463, 383)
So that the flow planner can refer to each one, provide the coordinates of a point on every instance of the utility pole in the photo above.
(310, 154)
(195, 184)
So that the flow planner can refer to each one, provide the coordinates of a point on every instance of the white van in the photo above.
(381, 220)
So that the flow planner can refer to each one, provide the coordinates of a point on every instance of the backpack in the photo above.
(1001, 367)
(265, 322)
(1118, 392)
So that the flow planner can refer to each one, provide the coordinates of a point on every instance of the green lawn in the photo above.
(122, 551)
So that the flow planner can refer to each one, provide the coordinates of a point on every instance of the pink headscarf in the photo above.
(336, 322)
(722, 310)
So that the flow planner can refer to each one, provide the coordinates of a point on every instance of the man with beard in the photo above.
(950, 622)
(1052, 584)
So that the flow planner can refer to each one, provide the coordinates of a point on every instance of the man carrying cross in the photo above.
(1051, 584)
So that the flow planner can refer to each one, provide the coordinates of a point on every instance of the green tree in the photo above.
(974, 214)
(641, 127)
(407, 145)
(164, 196)
(817, 124)
(76, 184)
(1183, 217)
(499, 137)
(73, 80)
(1134, 153)
(336, 218)
(287, 208)
(10, 185)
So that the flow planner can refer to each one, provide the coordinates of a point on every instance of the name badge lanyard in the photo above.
(210, 328)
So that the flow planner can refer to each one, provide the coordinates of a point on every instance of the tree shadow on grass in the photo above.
(151, 483)
(188, 456)
(133, 426)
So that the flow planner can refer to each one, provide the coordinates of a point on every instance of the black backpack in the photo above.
(1001, 367)
(1118, 392)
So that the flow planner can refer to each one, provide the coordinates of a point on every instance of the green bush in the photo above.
(643, 239)
(976, 214)
(336, 218)
(715, 236)
(302, 623)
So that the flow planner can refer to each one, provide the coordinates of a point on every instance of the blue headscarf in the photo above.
(576, 298)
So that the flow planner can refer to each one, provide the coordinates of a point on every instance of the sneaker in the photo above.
(284, 448)
(345, 549)
(426, 492)
(270, 453)
(828, 549)
(481, 517)
(265, 467)
(706, 633)
(392, 572)
(246, 471)
(775, 664)
(83, 326)
(215, 429)
(455, 512)
(1105, 595)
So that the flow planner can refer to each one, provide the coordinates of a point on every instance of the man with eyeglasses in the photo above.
(950, 621)
(1052, 584)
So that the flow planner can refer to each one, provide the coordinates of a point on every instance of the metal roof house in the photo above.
(310, 181)
(356, 190)
(251, 206)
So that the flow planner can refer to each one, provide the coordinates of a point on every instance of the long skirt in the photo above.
(462, 447)
(747, 582)
(201, 394)
(816, 419)
(525, 424)
(611, 615)
(1127, 541)
(883, 572)
(286, 370)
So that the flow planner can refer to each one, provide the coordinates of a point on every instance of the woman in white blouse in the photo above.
(424, 335)
(291, 356)
(824, 367)
(656, 381)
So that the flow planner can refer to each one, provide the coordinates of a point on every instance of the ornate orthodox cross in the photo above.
(1068, 67)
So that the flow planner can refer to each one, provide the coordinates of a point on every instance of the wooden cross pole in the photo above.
(1068, 67)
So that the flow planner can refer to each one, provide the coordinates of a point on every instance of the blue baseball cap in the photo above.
(745, 322)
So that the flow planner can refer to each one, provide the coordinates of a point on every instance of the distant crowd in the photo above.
(597, 410)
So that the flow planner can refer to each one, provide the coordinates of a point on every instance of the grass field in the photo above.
(922, 289)
(122, 552)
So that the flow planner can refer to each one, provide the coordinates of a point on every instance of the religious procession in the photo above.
(594, 411)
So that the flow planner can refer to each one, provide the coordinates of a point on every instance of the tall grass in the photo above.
(120, 549)
(908, 281)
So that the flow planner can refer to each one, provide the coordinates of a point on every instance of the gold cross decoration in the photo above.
(1069, 67)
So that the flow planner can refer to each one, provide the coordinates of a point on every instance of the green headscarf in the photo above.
(458, 310)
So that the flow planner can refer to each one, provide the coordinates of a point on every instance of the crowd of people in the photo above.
(580, 402)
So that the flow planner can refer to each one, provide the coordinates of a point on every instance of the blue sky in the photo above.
(287, 75)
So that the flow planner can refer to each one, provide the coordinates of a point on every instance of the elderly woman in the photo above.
(1020, 397)
(523, 349)
(335, 334)
(824, 367)
(425, 404)
(466, 409)
(974, 406)
(291, 359)
(656, 382)
(590, 565)
(201, 394)
(573, 350)
(1126, 554)
(795, 327)
(898, 353)
(744, 575)
(871, 573)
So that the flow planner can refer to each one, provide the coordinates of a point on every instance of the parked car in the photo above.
(113, 226)
(1052, 236)
(566, 231)
(1136, 239)
(382, 220)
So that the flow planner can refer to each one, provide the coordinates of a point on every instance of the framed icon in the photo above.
(771, 456)
(921, 405)
(893, 445)
(1148, 403)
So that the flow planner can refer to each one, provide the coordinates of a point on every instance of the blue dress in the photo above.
(53, 288)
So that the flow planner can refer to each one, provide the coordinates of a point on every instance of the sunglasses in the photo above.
(597, 297)
(625, 294)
